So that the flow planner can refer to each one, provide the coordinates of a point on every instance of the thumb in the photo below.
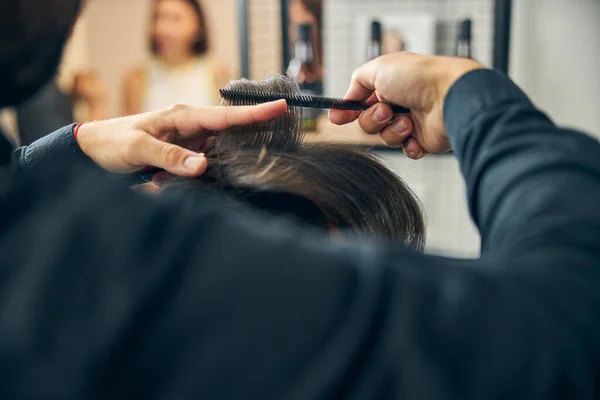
(172, 158)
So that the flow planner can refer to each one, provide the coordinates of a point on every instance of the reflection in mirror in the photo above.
(308, 12)
(179, 68)
(306, 65)
(150, 54)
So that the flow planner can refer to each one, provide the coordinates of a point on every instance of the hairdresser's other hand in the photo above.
(171, 139)
(410, 80)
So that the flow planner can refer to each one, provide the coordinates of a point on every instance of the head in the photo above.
(32, 38)
(330, 186)
(178, 26)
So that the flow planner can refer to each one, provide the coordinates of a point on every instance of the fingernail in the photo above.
(192, 163)
(399, 127)
(414, 155)
(381, 114)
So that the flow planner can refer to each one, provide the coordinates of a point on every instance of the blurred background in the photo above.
(131, 56)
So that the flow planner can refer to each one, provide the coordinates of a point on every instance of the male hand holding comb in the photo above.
(413, 81)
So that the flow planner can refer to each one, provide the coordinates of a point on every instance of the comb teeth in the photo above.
(248, 96)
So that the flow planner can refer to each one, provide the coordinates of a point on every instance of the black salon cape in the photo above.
(106, 293)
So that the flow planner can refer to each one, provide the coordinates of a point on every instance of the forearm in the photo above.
(531, 185)
(57, 146)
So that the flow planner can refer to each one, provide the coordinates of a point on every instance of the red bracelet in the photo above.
(76, 131)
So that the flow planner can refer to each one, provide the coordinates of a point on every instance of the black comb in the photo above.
(248, 97)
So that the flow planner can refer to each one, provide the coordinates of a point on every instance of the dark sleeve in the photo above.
(130, 297)
(58, 147)
(532, 186)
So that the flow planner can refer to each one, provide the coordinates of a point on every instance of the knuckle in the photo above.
(169, 154)
(391, 142)
(370, 129)
(128, 153)
(137, 141)
(368, 124)
(176, 108)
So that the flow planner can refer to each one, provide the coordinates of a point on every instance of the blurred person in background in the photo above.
(181, 69)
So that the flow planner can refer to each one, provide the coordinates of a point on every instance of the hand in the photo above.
(171, 139)
(409, 80)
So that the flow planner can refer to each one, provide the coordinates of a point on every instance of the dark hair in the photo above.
(32, 38)
(270, 167)
(201, 44)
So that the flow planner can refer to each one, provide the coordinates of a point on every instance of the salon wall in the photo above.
(116, 32)
(555, 58)
(264, 37)
(340, 25)
(439, 185)
(117, 36)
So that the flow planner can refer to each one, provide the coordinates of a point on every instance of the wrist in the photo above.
(82, 133)
(474, 92)
(457, 69)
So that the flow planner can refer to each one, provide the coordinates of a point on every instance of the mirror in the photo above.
(302, 13)
(133, 56)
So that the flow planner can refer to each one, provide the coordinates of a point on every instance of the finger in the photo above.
(412, 149)
(342, 117)
(362, 83)
(189, 121)
(362, 87)
(396, 133)
(376, 118)
(169, 157)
